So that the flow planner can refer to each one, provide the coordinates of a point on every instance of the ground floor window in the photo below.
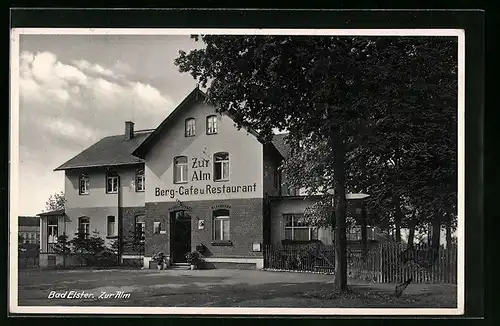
(52, 232)
(111, 226)
(156, 227)
(140, 228)
(221, 225)
(354, 233)
(298, 229)
(84, 227)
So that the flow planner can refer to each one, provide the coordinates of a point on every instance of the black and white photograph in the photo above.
(178, 171)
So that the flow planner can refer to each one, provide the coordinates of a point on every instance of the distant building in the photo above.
(29, 229)
(194, 183)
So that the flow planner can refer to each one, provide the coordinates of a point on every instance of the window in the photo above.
(221, 166)
(211, 125)
(140, 228)
(139, 180)
(84, 227)
(190, 127)
(221, 225)
(156, 227)
(354, 233)
(112, 183)
(180, 169)
(296, 229)
(111, 226)
(52, 233)
(84, 187)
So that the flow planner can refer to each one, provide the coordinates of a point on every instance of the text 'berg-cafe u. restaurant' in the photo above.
(194, 183)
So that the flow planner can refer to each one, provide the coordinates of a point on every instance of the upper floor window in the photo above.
(180, 169)
(221, 166)
(296, 229)
(111, 183)
(139, 180)
(84, 227)
(211, 124)
(190, 127)
(221, 225)
(84, 184)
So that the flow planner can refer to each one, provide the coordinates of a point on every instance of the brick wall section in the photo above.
(127, 228)
(246, 226)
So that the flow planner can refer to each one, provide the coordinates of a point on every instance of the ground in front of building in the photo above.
(217, 288)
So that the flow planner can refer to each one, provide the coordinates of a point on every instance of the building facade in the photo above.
(29, 229)
(194, 183)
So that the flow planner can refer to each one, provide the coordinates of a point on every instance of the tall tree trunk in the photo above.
(436, 233)
(411, 234)
(364, 238)
(398, 217)
(340, 280)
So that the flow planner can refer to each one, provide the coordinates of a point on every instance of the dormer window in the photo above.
(211, 124)
(84, 184)
(190, 127)
(112, 183)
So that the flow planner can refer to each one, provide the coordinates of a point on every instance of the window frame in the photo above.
(215, 125)
(221, 163)
(140, 220)
(112, 234)
(86, 179)
(293, 227)
(192, 129)
(51, 226)
(180, 165)
(219, 216)
(157, 227)
(140, 174)
(112, 176)
(86, 234)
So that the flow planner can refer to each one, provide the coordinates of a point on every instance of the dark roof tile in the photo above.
(29, 221)
(109, 151)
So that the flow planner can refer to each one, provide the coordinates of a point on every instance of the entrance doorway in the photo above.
(180, 235)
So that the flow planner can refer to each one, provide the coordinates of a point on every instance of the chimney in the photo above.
(129, 130)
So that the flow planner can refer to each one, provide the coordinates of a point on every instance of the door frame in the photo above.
(173, 226)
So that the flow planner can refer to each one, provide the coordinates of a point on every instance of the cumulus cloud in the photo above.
(66, 107)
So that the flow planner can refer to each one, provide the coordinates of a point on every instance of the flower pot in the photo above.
(193, 267)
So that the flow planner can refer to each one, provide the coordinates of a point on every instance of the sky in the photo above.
(77, 89)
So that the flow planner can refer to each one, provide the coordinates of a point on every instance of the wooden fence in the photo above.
(384, 263)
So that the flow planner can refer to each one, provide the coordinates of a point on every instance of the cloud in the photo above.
(66, 107)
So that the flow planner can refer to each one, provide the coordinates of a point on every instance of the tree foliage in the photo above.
(56, 201)
(371, 114)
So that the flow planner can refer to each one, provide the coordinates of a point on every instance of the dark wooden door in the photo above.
(181, 236)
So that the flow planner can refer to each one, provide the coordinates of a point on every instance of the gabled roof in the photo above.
(195, 95)
(29, 221)
(281, 145)
(109, 151)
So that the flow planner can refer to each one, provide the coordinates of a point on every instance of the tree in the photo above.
(57, 201)
(333, 95)
(62, 247)
(88, 248)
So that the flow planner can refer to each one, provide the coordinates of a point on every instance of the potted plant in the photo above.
(193, 259)
(160, 259)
